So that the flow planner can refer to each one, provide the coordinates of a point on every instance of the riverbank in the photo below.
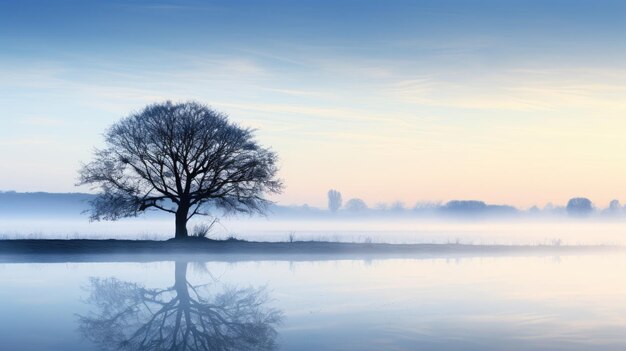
(79, 250)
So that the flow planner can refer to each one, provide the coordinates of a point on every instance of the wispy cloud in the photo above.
(42, 121)
(516, 90)
(324, 113)
(25, 141)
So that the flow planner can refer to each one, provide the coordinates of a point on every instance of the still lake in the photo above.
(479, 303)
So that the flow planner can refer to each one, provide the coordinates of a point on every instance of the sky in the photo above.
(516, 102)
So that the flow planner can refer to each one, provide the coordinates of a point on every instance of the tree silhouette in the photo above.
(356, 205)
(398, 206)
(579, 206)
(132, 317)
(614, 206)
(334, 200)
(179, 158)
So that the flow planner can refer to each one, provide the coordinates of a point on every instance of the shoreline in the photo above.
(90, 250)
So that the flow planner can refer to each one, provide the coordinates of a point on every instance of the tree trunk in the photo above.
(182, 293)
(180, 280)
(181, 222)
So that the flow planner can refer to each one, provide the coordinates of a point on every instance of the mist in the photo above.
(198, 175)
(60, 216)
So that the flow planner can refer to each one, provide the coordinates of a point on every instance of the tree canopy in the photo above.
(181, 158)
(579, 206)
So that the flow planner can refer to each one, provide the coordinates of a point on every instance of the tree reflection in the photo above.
(182, 317)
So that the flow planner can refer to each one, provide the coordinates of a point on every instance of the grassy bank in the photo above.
(32, 250)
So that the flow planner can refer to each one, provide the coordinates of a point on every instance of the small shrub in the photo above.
(201, 230)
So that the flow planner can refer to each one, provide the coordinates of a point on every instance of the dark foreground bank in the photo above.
(235, 250)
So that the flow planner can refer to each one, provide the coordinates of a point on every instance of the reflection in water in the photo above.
(182, 317)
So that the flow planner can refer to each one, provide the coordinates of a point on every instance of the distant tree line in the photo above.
(575, 207)
(70, 205)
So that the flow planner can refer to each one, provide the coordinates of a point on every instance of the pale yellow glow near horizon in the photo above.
(522, 137)
(565, 138)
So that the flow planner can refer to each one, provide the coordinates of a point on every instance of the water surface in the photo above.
(482, 303)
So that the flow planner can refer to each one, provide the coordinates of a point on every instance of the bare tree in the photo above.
(180, 158)
(334, 200)
(183, 317)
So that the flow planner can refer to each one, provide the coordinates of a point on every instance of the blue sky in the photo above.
(519, 102)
